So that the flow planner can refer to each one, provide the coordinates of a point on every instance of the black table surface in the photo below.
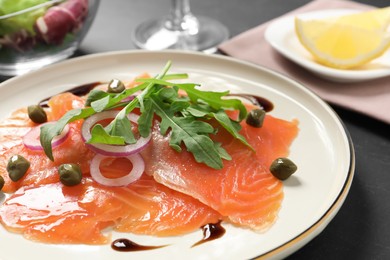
(361, 229)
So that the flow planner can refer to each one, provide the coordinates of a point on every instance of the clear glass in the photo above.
(180, 30)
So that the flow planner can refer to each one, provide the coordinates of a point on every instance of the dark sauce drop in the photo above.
(126, 245)
(262, 102)
(83, 90)
(211, 232)
(78, 91)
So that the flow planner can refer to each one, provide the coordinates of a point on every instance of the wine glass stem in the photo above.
(181, 18)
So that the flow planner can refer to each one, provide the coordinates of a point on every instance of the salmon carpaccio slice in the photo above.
(54, 213)
(42, 169)
(45, 210)
(187, 196)
(244, 191)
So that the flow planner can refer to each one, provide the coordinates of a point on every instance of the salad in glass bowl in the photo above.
(35, 33)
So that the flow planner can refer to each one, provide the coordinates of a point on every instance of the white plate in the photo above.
(323, 152)
(282, 37)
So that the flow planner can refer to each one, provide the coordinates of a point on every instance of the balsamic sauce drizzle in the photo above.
(80, 90)
(126, 245)
(262, 102)
(211, 232)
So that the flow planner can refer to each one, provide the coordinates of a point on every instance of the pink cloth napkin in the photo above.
(369, 97)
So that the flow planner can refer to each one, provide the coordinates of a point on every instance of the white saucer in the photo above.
(281, 36)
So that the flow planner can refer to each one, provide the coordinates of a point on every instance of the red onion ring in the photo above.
(131, 97)
(133, 175)
(31, 138)
(112, 150)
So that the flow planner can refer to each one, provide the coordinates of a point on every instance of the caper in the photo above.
(17, 167)
(2, 182)
(37, 114)
(115, 86)
(282, 168)
(70, 174)
(255, 118)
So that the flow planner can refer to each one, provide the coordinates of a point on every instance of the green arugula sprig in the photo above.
(185, 117)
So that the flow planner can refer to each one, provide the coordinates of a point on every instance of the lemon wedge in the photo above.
(347, 41)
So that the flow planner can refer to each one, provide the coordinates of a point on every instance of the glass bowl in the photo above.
(41, 34)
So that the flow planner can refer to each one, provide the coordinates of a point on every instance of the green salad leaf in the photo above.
(213, 99)
(49, 131)
(193, 133)
(185, 118)
(23, 21)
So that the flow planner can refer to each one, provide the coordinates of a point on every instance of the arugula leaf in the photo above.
(183, 118)
(149, 89)
(49, 131)
(101, 100)
(94, 95)
(145, 120)
(231, 126)
(191, 132)
(222, 152)
(175, 76)
(99, 135)
(121, 126)
(212, 98)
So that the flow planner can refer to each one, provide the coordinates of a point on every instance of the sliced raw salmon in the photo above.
(42, 170)
(181, 196)
(62, 103)
(54, 213)
(45, 210)
(13, 128)
(244, 191)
